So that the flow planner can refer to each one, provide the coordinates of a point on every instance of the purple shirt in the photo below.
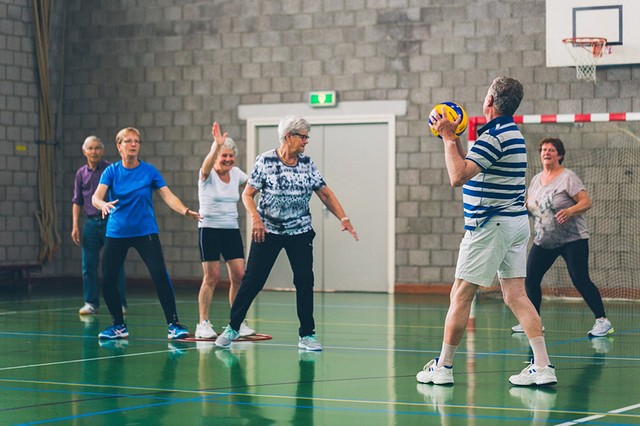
(85, 185)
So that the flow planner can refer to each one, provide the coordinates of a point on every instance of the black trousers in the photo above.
(576, 256)
(262, 257)
(150, 250)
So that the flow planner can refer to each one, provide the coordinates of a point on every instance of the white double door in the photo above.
(353, 159)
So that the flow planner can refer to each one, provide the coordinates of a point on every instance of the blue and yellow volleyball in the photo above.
(451, 110)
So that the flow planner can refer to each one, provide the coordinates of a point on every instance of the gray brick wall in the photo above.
(19, 240)
(170, 67)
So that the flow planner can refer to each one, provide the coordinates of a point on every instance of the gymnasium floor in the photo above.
(53, 369)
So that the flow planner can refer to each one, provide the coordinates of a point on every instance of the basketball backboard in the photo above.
(615, 20)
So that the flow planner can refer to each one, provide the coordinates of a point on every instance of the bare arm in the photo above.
(210, 159)
(583, 203)
(98, 200)
(257, 226)
(75, 227)
(460, 169)
(175, 204)
(330, 200)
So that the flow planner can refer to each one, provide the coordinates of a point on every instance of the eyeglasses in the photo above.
(303, 137)
(131, 141)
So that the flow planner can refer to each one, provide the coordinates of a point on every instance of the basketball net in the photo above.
(585, 52)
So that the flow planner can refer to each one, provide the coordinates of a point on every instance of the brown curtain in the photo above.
(46, 216)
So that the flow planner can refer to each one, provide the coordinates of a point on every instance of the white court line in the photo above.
(74, 361)
(599, 416)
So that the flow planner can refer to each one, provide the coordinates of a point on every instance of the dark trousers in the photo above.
(576, 256)
(93, 239)
(262, 257)
(150, 250)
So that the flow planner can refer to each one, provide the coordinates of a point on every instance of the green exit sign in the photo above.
(326, 98)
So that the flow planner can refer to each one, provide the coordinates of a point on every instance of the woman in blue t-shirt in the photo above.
(132, 223)
(286, 179)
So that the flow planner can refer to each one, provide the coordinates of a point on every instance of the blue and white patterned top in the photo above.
(285, 192)
(499, 189)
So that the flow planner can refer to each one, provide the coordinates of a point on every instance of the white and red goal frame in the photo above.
(475, 122)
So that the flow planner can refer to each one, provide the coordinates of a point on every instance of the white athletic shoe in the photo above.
(601, 328)
(204, 330)
(431, 373)
(245, 330)
(88, 309)
(309, 343)
(519, 329)
(535, 375)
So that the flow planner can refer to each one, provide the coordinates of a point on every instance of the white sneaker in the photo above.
(601, 328)
(87, 309)
(204, 330)
(245, 330)
(519, 329)
(309, 343)
(535, 375)
(431, 373)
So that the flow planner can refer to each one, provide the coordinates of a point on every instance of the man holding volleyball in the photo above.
(492, 176)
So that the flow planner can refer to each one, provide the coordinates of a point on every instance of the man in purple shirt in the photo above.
(93, 231)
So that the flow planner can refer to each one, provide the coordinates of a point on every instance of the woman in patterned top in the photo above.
(286, 180)
(557, 200)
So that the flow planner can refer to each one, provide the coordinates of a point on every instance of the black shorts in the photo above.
(216, 241)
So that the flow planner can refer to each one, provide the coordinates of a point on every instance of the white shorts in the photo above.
(500, 246)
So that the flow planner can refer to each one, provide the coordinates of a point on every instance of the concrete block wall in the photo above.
(170, 67)
(19, 239)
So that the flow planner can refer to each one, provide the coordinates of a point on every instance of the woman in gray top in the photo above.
(557, 199)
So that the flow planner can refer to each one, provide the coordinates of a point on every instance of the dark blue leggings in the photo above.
(576, 256)
(150, 250)
(262, 257)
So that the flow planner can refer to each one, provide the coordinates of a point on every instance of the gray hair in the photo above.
(290, 124)
(228, 144)
(507, 93)
(90, 139)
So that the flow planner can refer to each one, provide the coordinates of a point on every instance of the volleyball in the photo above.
(451, 110)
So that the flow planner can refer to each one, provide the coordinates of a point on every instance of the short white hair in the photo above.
(291, 123)
(90, 139)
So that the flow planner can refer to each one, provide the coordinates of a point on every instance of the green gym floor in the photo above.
(53, 370)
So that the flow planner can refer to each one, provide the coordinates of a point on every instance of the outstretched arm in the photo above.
(175, 204)
(330, 200)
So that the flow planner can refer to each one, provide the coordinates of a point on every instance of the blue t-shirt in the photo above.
(285, 192)
(133, 215)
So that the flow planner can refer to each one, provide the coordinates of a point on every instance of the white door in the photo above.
(353, 161)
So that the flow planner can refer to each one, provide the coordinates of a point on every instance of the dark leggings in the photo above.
(262, 257)
(150, 250)
(576, 256)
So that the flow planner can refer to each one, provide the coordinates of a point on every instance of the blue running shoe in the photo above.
(177, 331)
(116, 331)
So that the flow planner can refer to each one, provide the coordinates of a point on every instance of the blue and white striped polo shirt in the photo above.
(499, 189)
